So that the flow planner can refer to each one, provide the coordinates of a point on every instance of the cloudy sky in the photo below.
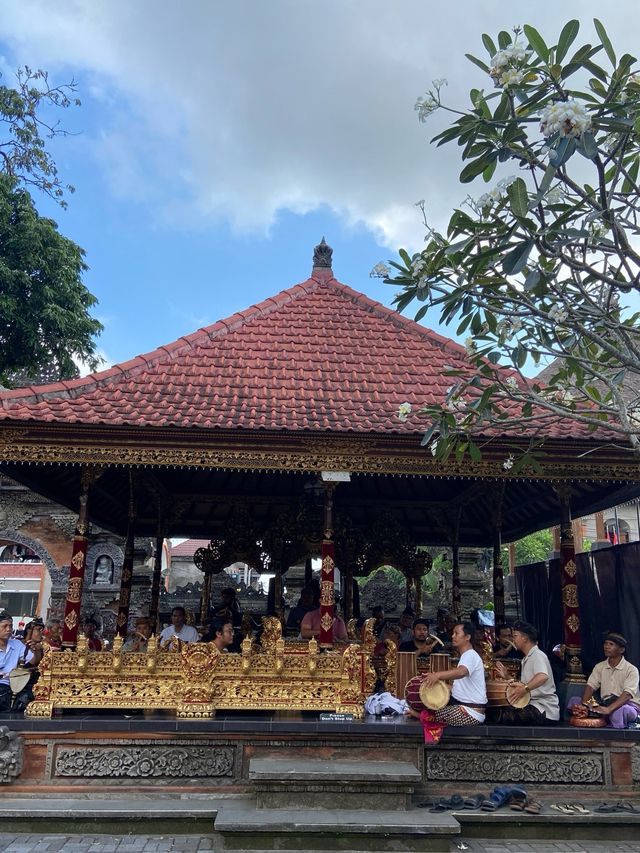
(218, 140)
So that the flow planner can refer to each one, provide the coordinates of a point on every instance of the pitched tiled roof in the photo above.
(318, 356)
(188, 548)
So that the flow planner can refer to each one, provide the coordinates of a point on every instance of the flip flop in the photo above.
(563, 808)
(474, 802)
(627, 807)
(518, 799)
(498, 798)
(607, 808)
(532, 806)
(455, 801)
(579, 808)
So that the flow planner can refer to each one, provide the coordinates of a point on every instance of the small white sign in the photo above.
(336, 477)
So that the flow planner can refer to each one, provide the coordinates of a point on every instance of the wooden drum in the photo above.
(440, 662)
(423, 698)
(498, 694)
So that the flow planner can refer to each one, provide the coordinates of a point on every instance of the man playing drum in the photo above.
(615, 683)
(466, 706)
(536, 681)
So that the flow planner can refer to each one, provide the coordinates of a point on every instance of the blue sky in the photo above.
(218, 142)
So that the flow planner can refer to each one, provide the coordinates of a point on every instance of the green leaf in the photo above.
(477, 62)
(606, 43)
(504, 39)
(588, 146)
(516, 260)
(536, 42)
(487, 41)
(567, 37)
(630, 184)
(405, 257)
(518, 197)
(474, 452)
(473, 169)
(487, 173)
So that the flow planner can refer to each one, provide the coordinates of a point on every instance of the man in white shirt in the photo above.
(186, 633)
(614, 681)
(468, 694)
(536, 677)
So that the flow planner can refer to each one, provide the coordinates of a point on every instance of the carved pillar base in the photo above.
(10, 755)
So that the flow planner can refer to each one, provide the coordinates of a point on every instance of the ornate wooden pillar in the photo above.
(71, 621)
(327, 599)
(127, 565)
(347, 581)
(278, 608)
(205, 598)
(569, 572)
(154, 607)
(456, 590)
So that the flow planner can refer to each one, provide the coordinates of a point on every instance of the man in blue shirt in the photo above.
(12, 653)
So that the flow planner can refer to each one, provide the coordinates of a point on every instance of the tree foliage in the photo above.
(45, 325)
(542, 269)
(44, 306)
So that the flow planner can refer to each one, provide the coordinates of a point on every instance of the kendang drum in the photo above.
(420, 697)
(500, 694)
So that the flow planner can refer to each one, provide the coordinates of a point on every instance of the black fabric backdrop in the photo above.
(608, 596)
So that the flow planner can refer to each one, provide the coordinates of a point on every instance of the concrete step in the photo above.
(307, 770)
(107, 808)
(243, 828)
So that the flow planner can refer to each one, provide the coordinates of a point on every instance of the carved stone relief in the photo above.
(145, 761)
(513, 764)
(635, 763)
(11, 750)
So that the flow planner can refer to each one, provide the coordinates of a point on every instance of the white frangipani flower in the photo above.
(470, 345)
(558, 314)
(508, 462)
(404, 410)
(568, 118)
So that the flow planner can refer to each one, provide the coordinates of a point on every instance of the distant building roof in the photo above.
(188, 547)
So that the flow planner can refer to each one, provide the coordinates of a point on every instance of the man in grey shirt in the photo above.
(536, 680)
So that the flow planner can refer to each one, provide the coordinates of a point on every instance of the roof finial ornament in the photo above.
(322, 255)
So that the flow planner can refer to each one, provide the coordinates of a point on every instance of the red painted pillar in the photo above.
(71, 621)
(327, 598)
(570, 608)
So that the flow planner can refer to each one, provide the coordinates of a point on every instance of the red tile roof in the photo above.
(11, 571)
(318, 356)
(188, 548)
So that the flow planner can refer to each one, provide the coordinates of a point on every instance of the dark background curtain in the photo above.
(628, 585)
(533, 591)
(592, 614)
(555, 629)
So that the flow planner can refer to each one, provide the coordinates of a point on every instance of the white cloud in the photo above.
(234, 111)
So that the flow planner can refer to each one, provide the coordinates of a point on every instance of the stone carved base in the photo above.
(144, 761)
(11, 751)
(526, 764)
(635, 764)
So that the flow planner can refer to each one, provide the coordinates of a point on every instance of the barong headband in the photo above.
(616, 638)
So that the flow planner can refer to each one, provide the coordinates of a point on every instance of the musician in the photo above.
(537, 681)
(89, 628)
(422, 642)
(468, 694)
(138, 639)
(504, 648)
(406, 625)
(310, 627)
(178, 628)
(614, 682)
(13, 653)
(221, 631)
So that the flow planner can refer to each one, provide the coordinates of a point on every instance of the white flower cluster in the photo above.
(568, 118)
(425, 106)
(512, 383)
(404, 410)
(506, 65)
(470, 346)
(496, 194)
(380, 270)
(417, 266)
(555, 195)
(558, 314)
(508, 462)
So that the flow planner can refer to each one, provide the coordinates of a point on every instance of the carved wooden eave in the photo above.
(400, 455)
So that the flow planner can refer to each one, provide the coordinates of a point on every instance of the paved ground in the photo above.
(194, 844)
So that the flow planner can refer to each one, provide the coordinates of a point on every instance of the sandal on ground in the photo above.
(498, 798)
(455, 801)
(563, 808)
(518, 799)
(608, 808)
(624, 806)
(532, 806)
(578, 808)
(474, 802)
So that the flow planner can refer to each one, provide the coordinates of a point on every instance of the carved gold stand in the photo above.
(196, 679)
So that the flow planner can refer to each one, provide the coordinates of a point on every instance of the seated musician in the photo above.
(297, 613)
(89, 629)
(537, 680)
(310, 626)
(614, 683)
(14, 653)
(504, 648)
(228, 607)
(220, 633)
(468, 693)
(178, 628)
(422, 642)
(138, 639)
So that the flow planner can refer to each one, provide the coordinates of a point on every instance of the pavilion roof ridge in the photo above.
(320, 277)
